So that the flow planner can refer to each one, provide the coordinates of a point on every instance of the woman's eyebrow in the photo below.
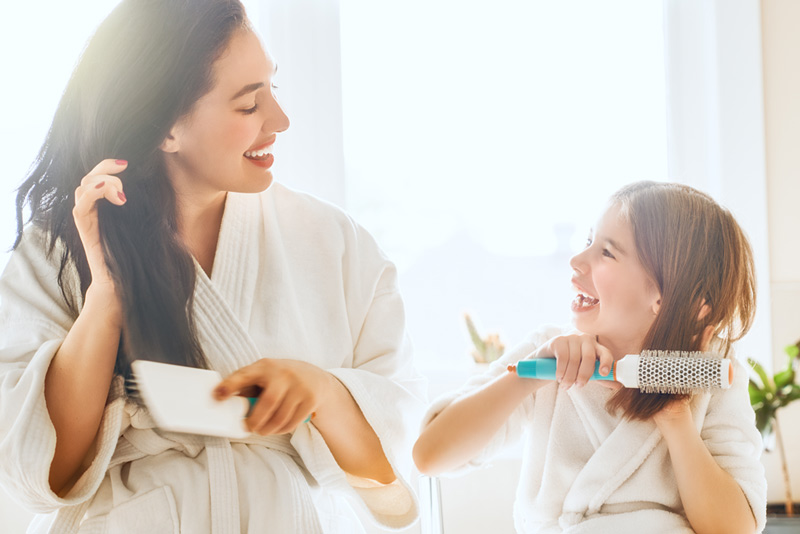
(248, 89)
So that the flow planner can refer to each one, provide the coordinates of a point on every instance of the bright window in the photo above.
(482, 140)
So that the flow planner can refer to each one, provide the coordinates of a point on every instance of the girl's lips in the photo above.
(582, 303)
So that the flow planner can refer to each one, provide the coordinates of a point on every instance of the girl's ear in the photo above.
(656, 306)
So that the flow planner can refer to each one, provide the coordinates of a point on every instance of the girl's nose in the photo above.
(578, 262)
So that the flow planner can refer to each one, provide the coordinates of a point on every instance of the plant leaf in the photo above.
(756, 394)
(793, 351)
(764, 420)
(766, 383)
(783, 378)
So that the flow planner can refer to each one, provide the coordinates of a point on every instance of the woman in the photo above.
(156, 233)
(666, 268)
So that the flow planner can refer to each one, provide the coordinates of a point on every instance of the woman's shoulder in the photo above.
(293, 202)
(314, 216)
(29, 284)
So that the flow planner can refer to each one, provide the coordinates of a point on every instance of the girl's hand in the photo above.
(676, 412)
(99, 183)
(575, 356)
(290, 391)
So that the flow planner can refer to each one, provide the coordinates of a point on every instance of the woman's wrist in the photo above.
(102, 296)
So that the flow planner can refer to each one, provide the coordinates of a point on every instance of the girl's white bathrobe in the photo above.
(293, 277)
(585, 471)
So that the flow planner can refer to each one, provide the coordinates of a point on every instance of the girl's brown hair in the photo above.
(696, 254)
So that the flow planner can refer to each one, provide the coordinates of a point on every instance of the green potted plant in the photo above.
(486, 349)
(768, 394)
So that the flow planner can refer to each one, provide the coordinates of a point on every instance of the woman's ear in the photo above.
(171, 143)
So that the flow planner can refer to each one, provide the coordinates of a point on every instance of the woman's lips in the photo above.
(264, 162)
(261, 156)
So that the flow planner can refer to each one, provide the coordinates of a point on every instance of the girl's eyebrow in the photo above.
(614, 244)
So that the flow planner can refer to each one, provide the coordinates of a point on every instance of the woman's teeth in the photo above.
(584, 301)
(258, 154)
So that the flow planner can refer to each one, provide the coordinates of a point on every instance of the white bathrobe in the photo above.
(293, 277)
(585, 471)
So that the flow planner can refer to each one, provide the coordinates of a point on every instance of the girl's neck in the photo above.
(620, 348)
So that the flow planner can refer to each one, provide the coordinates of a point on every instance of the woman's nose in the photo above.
(276, 120)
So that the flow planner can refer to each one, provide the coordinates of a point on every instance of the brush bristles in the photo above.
(679, 372)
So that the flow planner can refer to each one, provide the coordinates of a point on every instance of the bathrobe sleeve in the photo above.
(381, 378)
(34, 319)
(514, 427)
(730, 434)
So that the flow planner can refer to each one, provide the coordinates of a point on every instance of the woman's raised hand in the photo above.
(576, 355)
(99, 183)
(288, 392)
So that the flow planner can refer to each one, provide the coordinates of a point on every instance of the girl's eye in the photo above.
(608, 254)
(250, 111)
(588, 242)
(274, 86)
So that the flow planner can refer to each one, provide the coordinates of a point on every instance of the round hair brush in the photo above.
(652, 371)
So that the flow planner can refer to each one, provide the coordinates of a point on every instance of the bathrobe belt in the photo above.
(141, 443)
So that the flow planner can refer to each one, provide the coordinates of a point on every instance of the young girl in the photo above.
(155, 233)
(665, 268)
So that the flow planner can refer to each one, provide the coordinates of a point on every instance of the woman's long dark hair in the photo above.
(145, 67)
(697, 255)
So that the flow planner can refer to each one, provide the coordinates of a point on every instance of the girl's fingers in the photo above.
(574, 359)
(560, 351)
(588, 361)
(606, 359)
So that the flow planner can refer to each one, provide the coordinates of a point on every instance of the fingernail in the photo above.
(221, 392)
(120, 162)
(100, 185)
(604, 371)
(121, 196)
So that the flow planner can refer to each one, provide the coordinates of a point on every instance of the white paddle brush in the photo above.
(180, 399)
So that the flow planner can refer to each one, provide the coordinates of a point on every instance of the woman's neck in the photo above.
(199, 222)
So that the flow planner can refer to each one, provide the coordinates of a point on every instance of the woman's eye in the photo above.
(250, 111)
(588, 242)
(274, 86)
(608, 253)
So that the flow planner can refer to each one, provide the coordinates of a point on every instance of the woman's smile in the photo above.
(262, 156)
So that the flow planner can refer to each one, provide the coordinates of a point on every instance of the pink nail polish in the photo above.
(121, 162)
(121, 196)
(99, 185)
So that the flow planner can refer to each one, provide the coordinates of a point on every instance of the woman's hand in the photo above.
(576, 355)
(99, 183)
(288, 392)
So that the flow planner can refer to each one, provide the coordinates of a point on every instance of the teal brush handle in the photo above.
(254, 400)
(545, 369)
